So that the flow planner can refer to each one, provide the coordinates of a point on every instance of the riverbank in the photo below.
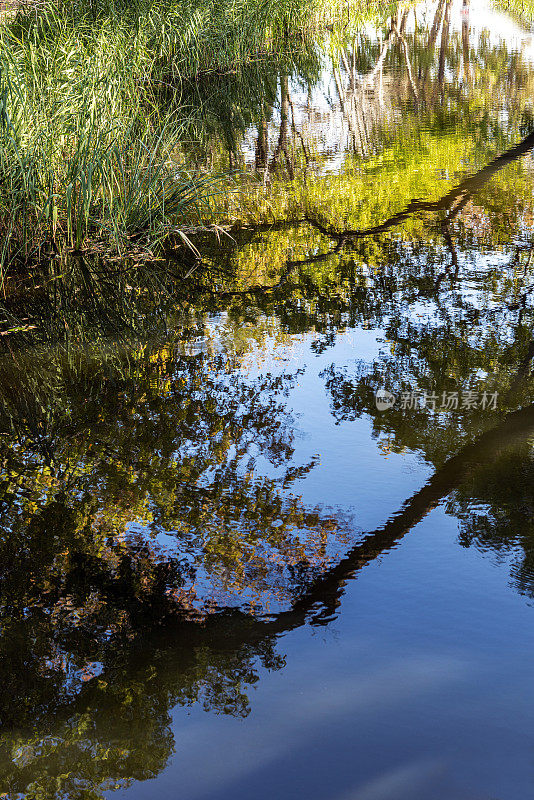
(95, 106)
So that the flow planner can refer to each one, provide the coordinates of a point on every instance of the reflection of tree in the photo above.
(166, 440)
(327, 588)
(495, 511)
(452, 202)
(448, 355)
(98, 743)
(116, 729)
(108, 452)
(223, 107)
(429, 76)
(104, 451)
(87, 426)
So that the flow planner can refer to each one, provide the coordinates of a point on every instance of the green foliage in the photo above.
(84, 158)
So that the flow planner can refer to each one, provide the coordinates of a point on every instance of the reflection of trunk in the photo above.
(320, 601)
(435, 27)
(346, 110)
(444, 42)
(350, 74)
(465, 40)
(324, 594)
(524, 368)
(281, 146)
(406, 53)
(382, 55)
(296, 132)
(445, 229)
(353, 108)
(436, 24)
(262, 144)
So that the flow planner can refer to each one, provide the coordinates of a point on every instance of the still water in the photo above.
(228, 571)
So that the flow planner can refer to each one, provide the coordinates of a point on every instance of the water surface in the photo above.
(227, 572)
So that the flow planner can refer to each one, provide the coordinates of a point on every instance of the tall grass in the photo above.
(87, 158)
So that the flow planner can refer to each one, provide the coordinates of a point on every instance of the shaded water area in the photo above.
(227, 570)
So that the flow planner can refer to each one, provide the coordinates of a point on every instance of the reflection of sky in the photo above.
(420, 689)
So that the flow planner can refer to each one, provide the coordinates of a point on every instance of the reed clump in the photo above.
(89, 155)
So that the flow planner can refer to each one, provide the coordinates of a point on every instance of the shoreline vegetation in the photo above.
(520, 10)
(94, 112)
(124, 129)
